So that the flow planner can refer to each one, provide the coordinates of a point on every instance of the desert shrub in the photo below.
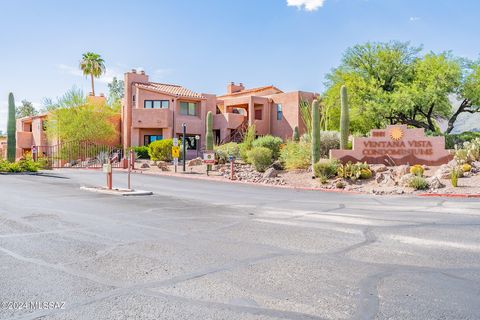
(161, 150)
(466, 167)
(329, 140)
(417, 170)
(261, 158)
(325, 169)
(141, 152)
(340, 185)
(247, 143)
(418, 183)
(355, 171)
(296, 155)
(452, 140)
(226, 150)
(468, 152)
(270, 142)
(306, 138)
(24, 165)
(456, 173)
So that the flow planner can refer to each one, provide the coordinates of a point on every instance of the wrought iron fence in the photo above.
(82, 154)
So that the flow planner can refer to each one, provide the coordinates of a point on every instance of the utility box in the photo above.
(107, 168)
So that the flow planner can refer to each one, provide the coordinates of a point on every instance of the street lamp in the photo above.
(197, 138)
(184, 144)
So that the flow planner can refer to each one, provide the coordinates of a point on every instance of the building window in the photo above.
(190, 141)
(147, 139)
(156, 104)
(279, 112)
(188, 108)
(217, 110)
(258, 113)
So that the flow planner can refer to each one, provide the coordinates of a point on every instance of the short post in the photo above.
(132, 160)
(34, 153)
(232, 167)
(108, 169)
(130, 157)
(197, 139)
(184, 143)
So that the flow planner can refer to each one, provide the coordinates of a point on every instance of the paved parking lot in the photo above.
(206, 250)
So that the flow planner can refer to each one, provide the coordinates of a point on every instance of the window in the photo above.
(188, 108)
(190, 141)
(279, 112)
(218, 111)
(133, 100)
(156, 104)
(258, 113)
(147, 139)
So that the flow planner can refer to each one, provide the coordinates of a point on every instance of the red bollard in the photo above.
(109, 175)
(132, 159)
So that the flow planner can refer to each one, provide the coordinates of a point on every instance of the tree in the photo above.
(25, 110)
(115, 90)
(11, 128)
(93, 65)
(71, 118)
(391, 83)
(469, 93)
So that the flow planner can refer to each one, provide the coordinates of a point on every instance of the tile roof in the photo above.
(170, 89)
(253, 90)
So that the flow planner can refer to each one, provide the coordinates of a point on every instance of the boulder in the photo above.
(270, 173)
(387, 181)
(443, 172)
(402, 170)
(162, 165)
(277, 165)
(67, 165)
(379, 168)
(476, 164)
(453, 163)
(435, 183)
(145, 165)
(405, 179)
(195, 162)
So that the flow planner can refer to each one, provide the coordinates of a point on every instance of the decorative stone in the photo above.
(162, 165)
(379, 168)
(444, 172)
(277, 165)
(404, 180)
(395, 145)
(145, 165)
(402, 170)
(434, 183)
(195, 162)
(270, 173)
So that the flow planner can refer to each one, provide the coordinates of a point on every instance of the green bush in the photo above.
(468, 152)
(141, 152)
(458, 139)
(26, 165)
(418, 183)
(329, 140)
(354, 171)
(270, 142)
(161, 150)
(325, 169)
(261, 158)
(226, 150)
(456, 173)
(296, 155)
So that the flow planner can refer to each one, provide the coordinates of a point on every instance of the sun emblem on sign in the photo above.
(396, 134)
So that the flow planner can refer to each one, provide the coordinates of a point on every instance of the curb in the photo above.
(449, 195)
(118, 192)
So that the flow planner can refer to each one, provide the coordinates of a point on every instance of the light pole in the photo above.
(184, 144)
(197, 139)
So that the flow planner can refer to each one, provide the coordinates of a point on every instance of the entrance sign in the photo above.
(395, 145)
(209, 157)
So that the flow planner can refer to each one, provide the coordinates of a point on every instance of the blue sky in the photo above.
(204, 44)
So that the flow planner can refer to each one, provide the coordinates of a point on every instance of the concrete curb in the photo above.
(118, 192)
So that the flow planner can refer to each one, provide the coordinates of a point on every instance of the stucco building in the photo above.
(153, 111)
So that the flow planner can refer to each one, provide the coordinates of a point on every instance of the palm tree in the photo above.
(92, 64)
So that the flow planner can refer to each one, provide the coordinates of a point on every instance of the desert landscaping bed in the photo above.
(385, 180)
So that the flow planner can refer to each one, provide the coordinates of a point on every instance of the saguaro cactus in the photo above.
(209, 134)
(295, 136)
(11, 141)
(344, 119)
(315, 131)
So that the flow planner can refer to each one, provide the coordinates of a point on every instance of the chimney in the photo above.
(233, 88)
(142, 72)
(134, 71)
(102, 95)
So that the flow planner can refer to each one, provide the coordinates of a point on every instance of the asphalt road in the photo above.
(206, 250)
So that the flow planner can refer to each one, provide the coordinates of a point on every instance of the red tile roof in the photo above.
(169, 89)
(252, 90)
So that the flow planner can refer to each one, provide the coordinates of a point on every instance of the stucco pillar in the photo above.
(251, 112)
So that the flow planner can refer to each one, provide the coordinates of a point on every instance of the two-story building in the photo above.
(30, 131)
(153, 111)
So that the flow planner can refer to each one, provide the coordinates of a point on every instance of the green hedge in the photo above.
(458, 139)
(161, 150)
(261, 158)
(142, 152)
(270, 142)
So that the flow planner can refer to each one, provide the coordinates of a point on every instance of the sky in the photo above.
(205, 44)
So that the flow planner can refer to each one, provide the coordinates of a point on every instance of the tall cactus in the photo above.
(295, 136)
(209, 134)
(315, 131)
(344, 119)
(11, 127)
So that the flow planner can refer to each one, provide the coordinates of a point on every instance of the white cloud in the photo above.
(308, 5)
(413, 19)
(107, 77)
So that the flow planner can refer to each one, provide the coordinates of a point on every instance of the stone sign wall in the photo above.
(396, 145)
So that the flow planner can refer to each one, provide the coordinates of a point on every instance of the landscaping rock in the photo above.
(378, 168)
(195, 162)
(476, 164)
(405, 179)
(67, 165)
(444, 172)
(277, 165)
(387, 181)
(435, 183)
(162, 165)
(270, 173)
(402, 170)
(453, 163)
(145, 165)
